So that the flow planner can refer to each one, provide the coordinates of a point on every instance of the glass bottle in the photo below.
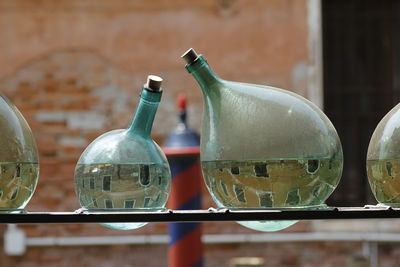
(264, 147)
(383, 159)
(125, 170)
(19, 160)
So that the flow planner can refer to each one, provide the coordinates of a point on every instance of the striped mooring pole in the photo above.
(183, 152)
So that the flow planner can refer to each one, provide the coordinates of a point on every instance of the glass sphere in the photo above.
(383, 159)
(19, 161)
(121, 171)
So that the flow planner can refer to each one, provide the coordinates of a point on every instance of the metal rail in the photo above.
(367, 212)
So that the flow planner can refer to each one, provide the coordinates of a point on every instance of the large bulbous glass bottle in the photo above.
(19, 161)
(383, 159)
(264, 147)
(125, 169)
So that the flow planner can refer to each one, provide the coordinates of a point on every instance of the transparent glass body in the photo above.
(19, 161)
(125, 170)
(383, 159)
(264, 147)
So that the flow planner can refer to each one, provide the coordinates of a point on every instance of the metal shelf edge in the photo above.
(371, 212)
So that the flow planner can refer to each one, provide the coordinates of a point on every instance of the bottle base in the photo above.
(12, 211)
(267, 226)
(273, 226)
(123, 226)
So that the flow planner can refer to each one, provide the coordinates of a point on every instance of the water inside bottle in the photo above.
(384, 178)
(271, 183)
(17, 184)
(132, 187)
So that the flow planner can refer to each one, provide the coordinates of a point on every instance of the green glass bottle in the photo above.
(125, 169)
(264, 147)
(383, 159)
(19, 160)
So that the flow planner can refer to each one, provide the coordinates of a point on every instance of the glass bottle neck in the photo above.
(203, 74)
(145, 112)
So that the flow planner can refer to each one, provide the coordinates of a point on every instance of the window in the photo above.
(107, 183)
(144, 178)
(146, 202)
(235, 170)
(108, 203)
(91, 183)
(94, 201)
(129, 203)
(361, 82)
(266, 199)
(18, 171)
(261, 170)
(293, 197)
(312, 166)
(389, 168)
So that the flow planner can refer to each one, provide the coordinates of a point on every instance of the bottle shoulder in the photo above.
(120, 146)
(385, 140)
(270, 122)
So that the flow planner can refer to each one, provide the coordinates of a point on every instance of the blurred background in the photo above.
(75, 70)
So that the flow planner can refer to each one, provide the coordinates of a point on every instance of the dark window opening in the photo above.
(146, 202)
(265, 199)
(107, 183)
(95, 203)
(389, 168)
(18, 171)
(91, 183)
(261, 170)
(129, 203)
(361, 81)
(293, 197)
(312, 165)
(108, 203)
(144, 175)
(235, 170)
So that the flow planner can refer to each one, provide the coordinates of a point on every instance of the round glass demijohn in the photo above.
(125, 170)
(19, 160)
(383, 159)
(264, 147)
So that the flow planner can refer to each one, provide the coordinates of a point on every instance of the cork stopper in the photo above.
(153, 83)
(190, 56)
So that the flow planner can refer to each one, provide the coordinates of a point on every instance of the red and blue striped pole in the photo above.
(183, 153)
